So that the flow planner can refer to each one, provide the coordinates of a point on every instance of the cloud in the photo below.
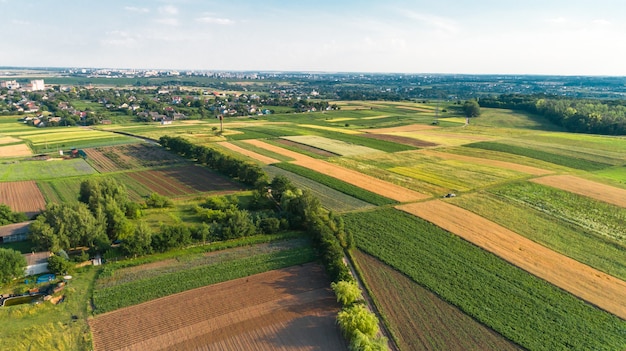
(438, 23)
(168, 10)
(215, 20)
(20, 22)
(558, 20)
(168, 21)
(601, 22)
(119, 38)
(136, 9)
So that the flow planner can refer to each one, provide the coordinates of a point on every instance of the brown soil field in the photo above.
(591, 285)
(286, 309)
(15, 150)
(400, 139)
(9, 140)
(23, 196)
(375, 185)
(185, 180)
(408, 128)
(487, 162)
(308, 148)
(580, 186)
(130, 156)
(261, 158)
(419, 319)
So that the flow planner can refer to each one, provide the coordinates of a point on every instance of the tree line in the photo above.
(606, 117)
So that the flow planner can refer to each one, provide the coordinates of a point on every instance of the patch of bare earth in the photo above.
(375, 185)
(407, 128)
(598, 288)
(261, 158)
(23, 196)
(580, 186)
(286, 309)
(487, 162)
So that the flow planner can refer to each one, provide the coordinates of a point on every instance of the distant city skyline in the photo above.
(554, 37)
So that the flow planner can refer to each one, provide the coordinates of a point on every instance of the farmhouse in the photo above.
(14, 232)
(36, 262)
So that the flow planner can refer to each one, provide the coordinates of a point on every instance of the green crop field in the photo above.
(331, 145)
(61, 190)
(142, 289)
(521, 307)
(558, 233)
(617, 174)
(419, 319)
(336, 184)
(39, 170)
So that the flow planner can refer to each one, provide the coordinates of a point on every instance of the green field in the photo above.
(40, 170)
(521, 307)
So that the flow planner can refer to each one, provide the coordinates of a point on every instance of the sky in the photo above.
(547, 37)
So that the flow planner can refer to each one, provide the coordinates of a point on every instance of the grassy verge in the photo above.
(520, 306)
(337, 184)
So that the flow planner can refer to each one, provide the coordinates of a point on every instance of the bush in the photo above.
(59, 265)
(347, 292)
(158, 201)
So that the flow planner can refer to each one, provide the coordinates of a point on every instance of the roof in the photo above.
(37, 258)
(14, 229)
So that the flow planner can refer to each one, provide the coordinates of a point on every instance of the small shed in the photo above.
(37, 262)
(14, 232)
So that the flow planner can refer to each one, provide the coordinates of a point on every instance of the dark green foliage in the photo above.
(12, 265)
(139, 242)
(337, 184)
(170, 237)
(471, 108)
(523, 308)
(279, 185)
(238, 224)
(7, 216)
(269, 225)
(563, 160)
(59, 265)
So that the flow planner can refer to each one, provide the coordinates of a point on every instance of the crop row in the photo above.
(518, 305)
(558, 234)
(563, 160)
(139, 291)
(336, 184)
(377, 144)
(37, 170)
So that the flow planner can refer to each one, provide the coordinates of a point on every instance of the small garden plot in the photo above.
(419, 319)
(457, 175)
(184, 180)
(335, 146)
(22, 196)
(38, 170)
(61, 190)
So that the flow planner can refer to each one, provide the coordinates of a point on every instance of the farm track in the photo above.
(261, 158)
(580, 186)
(256, 312)
(487, 162)
(598, 288)
(22, 196)
(375, 185)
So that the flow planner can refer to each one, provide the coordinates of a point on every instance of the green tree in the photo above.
(59, 265)
(347, 292)
(357, 318)
(7, 216)
(12, 265)
(471, 108)
(139, 242)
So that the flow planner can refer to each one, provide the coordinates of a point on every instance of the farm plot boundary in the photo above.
(584, 187)
(598, 288)
(260, 312)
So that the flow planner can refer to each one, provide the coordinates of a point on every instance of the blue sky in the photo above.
(446, 36)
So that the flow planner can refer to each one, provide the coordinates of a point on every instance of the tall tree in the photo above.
(471, 108)
(12, 264)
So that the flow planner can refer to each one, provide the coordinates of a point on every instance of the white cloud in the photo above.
(136, 9)
(601, 22)
(168, 10)
(20, 22)
(119, 38)
(215, 20)
(558, 20)
(167, 21)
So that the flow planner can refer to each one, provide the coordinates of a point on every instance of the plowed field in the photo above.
(184, 180)
(591, 285)
(580, 186)
(286, 309)
(375, 185)
(22, 196)
(131, 156)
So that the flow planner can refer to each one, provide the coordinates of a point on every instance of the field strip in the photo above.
(409, 128)
(487, 162)
(580, 186)
(598, 288)
(15, 150)
(332, 129)
(261, 158)
(375, 185)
